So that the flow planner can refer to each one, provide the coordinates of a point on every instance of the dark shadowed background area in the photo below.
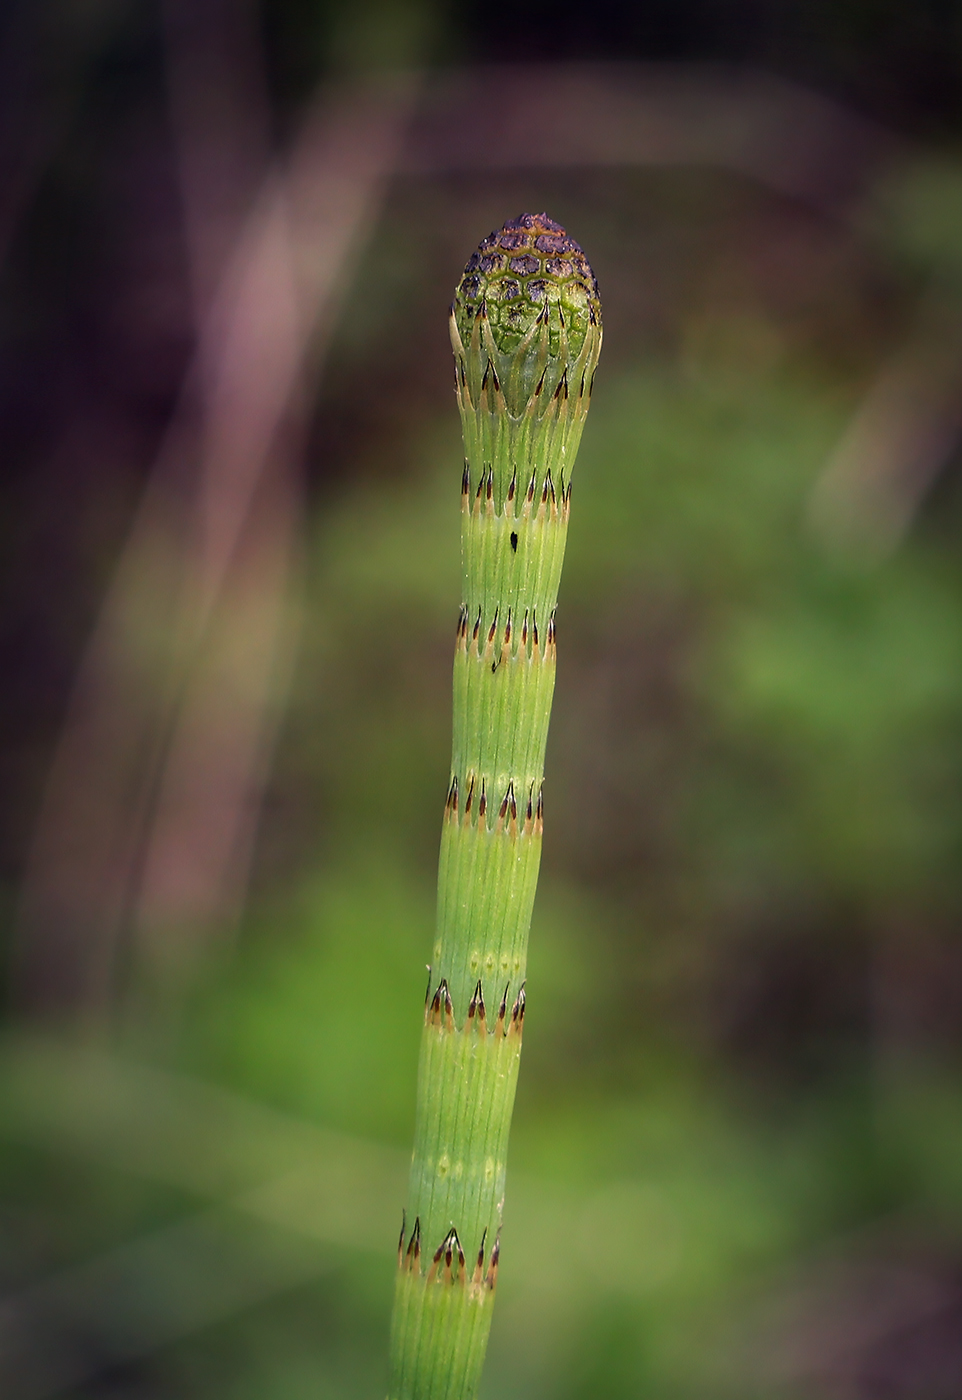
(229, 475)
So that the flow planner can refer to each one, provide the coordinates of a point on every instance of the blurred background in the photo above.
(229, 469)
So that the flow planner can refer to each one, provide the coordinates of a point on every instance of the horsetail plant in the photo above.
(526, 332)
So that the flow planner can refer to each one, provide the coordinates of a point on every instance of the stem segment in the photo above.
(526, 332)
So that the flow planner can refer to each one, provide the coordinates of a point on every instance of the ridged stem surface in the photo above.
(526, 333)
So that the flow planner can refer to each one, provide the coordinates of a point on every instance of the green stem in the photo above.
(526, 332)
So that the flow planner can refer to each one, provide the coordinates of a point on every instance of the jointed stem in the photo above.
(526, 333)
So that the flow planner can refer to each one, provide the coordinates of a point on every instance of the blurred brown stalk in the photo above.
(145, 833)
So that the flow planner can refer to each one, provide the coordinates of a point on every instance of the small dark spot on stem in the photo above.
(514, 541)
(414, 1247)
(478, 1000)
(481, 1249)
(493, 1266)
(503, 1008)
